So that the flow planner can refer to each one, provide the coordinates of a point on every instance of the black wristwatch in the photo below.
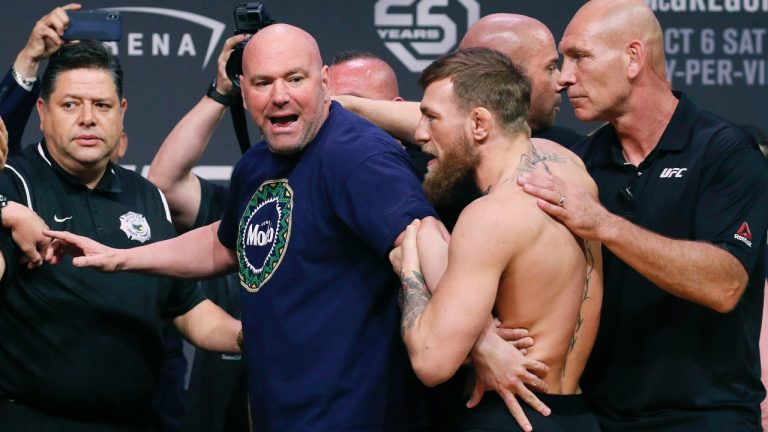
(3, 203)
(225, 100)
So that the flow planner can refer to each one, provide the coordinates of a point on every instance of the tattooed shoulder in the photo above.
(529, 163)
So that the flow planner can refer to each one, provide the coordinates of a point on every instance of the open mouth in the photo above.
(432, 164)
(284, 121)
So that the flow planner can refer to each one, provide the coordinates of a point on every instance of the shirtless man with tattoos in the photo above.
(506, 255)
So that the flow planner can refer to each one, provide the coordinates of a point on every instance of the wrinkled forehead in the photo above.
(272, 61)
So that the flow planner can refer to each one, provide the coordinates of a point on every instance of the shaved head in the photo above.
(285, 86)
(273, 38)
(617, 22)
(530, 44)
(364, 76)
(516, 36)
(612, 48)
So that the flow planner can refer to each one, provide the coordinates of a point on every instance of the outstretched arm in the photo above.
(193, 255)
(171, 169)
(397, 118)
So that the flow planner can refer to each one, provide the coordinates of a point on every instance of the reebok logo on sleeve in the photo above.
(744, 235)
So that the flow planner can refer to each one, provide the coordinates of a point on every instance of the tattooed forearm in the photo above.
(413, 299)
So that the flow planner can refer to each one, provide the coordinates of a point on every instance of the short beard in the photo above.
(454, 168)
(307, 135)
(542, 122)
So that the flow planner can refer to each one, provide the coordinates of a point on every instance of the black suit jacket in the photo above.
(15, 108)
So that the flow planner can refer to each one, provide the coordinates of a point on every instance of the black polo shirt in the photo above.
(217, 394)
(76, 342)
(561, 135)
(661, 362)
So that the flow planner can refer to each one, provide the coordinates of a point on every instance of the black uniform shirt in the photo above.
(561, 135)
(77, 342)
(661, 362)
(217, 396)
(224, 290)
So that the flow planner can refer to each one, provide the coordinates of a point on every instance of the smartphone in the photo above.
(101, 25)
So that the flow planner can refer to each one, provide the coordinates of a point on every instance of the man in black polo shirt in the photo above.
(81, 349)
(683, 220)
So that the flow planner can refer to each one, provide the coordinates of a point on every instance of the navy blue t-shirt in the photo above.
(320, 318)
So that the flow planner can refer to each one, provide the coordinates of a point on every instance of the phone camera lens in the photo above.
(112, 16)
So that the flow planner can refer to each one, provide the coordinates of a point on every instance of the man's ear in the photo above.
(326, 82)
(482, 123)
(41, 109)
(637, 57)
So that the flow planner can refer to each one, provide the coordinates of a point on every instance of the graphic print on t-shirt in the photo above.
(265, 229)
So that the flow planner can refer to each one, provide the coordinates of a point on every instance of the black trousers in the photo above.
(569, 413)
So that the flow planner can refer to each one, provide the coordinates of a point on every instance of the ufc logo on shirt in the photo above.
(672, 172)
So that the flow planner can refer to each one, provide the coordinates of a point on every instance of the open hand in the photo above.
(501, 367)
(87, 252)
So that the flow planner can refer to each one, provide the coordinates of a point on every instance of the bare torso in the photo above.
(544, 286)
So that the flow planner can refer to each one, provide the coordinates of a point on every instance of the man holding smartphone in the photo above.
(19, 88)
